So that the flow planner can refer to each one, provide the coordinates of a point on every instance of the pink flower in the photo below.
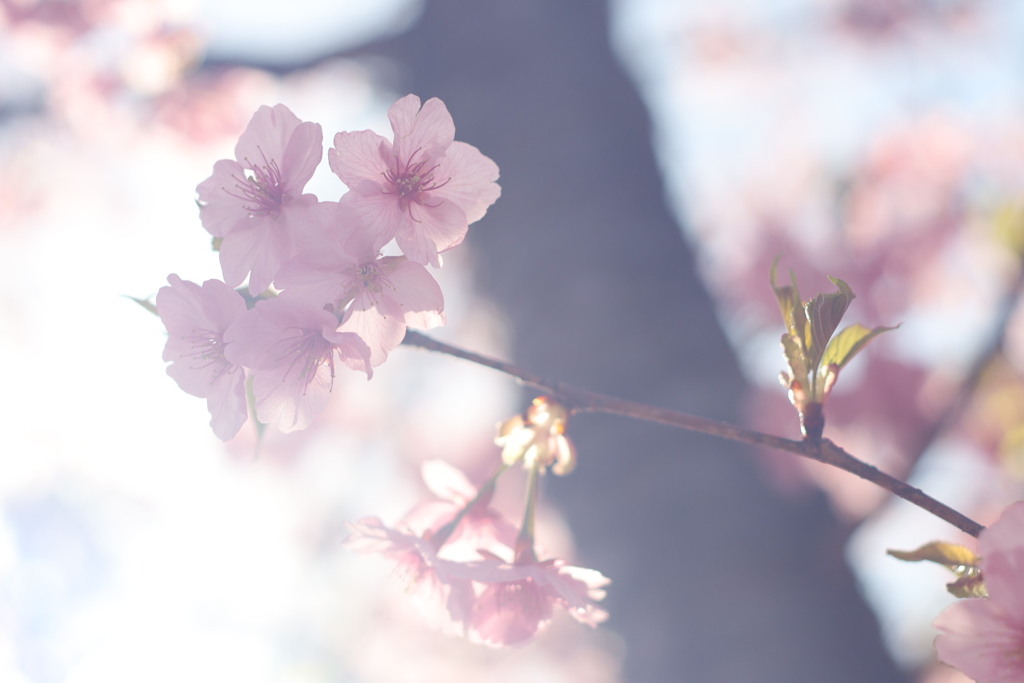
(984, 637)
(450, 553)
(437, 547)
(520, 599)
(255, 203)
(196, 319)
(444, 594)
(424, 189)
(380, 296)
(480, 530)
(293, 349)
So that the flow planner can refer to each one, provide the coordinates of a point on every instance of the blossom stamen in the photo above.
(261, 188)
(207, 351)
(307, 350)
(372, 277)
(411, 181)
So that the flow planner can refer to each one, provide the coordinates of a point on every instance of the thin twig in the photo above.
(972, 378)
(823, 450)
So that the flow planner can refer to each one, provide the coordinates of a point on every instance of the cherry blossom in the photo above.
(293, 349)
(424, 189)
(196, 319)
(441, 546)
(461, 517)
(454, 554)
(984, 637)
(379, 295)
(254, 203)
(442, 588)
(511, 611)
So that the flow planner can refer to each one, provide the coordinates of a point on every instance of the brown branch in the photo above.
(823, 450)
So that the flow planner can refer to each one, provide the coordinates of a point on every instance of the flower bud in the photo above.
(537, 438)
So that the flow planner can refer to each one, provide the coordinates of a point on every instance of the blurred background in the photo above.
(656, 157)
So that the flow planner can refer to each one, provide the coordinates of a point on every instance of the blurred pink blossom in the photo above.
(255, 202)
(196, 319)
(209, 107)
(454, 554)
(72, 18)
(984, 637)
(510, 610)
(424, 189)
(444, 593)
(481, 528)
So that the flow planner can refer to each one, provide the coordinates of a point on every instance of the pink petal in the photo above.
(446, 481)
(362, 240)
(323, 269)
(287, 400)
(264, 243)
(1002, 551)
(261, 246)
(578, 588)
(380, 324)
(351, 348)
(275, 134)
(976, 639)
(220, 211)
(320, 278)
(221, 303)
(267, 134)
(379, 213)
(179, 306)
(433, 230)
(472, 177)
(228, 406)
(302, 155)
(445, 599)
(510, 613)
(358, 156)
(417, 293)
(430, 129)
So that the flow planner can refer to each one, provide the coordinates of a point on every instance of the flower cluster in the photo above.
(322, 296)
(470, 569)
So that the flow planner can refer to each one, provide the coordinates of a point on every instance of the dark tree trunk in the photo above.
(715, 579)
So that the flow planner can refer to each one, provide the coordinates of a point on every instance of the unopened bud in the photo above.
(537, 438)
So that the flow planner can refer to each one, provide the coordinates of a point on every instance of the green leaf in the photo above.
(824, 313)
(795, 357)
(949, 555)
(789, 303)
(845, 345)
(145, 303)
(958, 559)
